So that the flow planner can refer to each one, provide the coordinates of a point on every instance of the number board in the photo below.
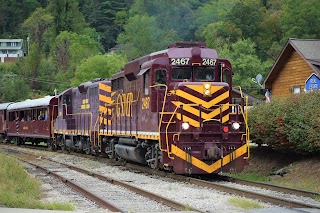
(185, 61)
(313, 82)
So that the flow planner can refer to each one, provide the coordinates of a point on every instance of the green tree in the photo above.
(245, 62)
(213, 11)
(37, 24)
(70, 50)
(98, 66)
(141, 37)
(102, 15)
(269, 35)
(13, 88)
(171, 15)
(219, 33)
(301, 19)
(67, 16)
(13, 13)
(246, 15)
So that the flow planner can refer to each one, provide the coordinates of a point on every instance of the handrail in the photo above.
(161, 114)
(245, 115)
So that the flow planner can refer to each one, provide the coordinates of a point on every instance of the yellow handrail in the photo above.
(161, 114)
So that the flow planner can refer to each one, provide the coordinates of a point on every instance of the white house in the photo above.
(10, 49)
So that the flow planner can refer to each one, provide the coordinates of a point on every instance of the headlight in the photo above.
(207, 86)
(207, 92)
(185, 125)
(236, 125)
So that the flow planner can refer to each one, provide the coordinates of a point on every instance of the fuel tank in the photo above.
(136, 154)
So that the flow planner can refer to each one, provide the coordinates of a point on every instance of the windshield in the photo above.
(204, 73)
(181, 73)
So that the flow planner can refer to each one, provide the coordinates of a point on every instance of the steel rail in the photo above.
(249, 194)
(272, 187)
(228, 189)
(101, 202)
(158, 198)
(150, 195)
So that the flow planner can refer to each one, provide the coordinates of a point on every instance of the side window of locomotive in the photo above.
(204, 73)
(146, 82)
(160, 77)
(67, 99)
(181, 73)
(226, 76)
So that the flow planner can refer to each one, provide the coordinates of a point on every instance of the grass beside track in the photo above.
(19, 190)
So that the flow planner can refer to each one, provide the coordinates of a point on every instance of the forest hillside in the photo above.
(69, 41)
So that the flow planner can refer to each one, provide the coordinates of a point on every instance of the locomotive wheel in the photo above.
(88, 151)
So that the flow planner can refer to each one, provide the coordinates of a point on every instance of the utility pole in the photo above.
(28, 38)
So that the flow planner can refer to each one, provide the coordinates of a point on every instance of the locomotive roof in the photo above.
(31, 103)
(175, 50)
(4, 106)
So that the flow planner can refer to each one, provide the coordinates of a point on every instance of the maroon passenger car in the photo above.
(31, 120)
(3, 121)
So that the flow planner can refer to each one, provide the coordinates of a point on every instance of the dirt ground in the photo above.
(284, 169)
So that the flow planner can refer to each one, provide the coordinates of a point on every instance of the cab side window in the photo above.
(160, 77)
(226, 76)
(146, 82)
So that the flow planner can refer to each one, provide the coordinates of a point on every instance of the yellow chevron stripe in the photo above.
(105, 121)
(195, 111)
(225, 118)
(104, 109)
(189, 120)
(197, 100)
(104, 87)
(112, 94)
(216, 165)
(105, 99)
(200, 88)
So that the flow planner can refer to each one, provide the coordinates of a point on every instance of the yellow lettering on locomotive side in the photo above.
(123, 104)
(145, 103)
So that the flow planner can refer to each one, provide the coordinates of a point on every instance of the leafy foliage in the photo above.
(301, 19)
(290, 124)
(98, 66)
(141, 37)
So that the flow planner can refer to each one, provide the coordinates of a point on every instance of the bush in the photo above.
(290, 124)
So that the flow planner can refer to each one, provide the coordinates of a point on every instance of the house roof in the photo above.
(308, 49)
(11, 40)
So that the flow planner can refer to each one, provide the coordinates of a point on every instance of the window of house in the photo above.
(13, 44)
(296, 90)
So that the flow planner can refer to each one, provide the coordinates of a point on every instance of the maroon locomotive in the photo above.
(80, 116)
(173, 109)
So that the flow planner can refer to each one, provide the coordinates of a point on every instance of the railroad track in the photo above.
(283, 189)
(238, 191)
(241, 192)
(92, 196)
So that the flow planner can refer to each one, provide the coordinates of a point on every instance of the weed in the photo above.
(244, 203)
